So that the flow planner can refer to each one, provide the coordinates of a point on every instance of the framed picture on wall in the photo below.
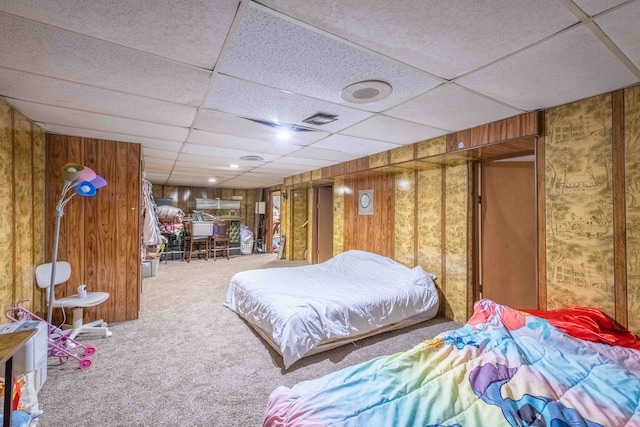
(365, 202)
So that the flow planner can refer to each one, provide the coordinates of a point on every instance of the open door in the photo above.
(507, 233)
(322, 244)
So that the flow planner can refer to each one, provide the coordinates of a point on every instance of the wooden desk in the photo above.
(10, 343)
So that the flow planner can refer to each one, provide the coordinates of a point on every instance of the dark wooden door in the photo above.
(508, 233)
(324, 221)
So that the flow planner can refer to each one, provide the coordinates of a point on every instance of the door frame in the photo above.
(477, 229)
(316, 213)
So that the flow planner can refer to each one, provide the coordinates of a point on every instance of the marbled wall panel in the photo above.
(6, 201)
(379, 159)
(227, 193)
(456, 229)
(402, 154)
(248, 211)
(338, 216)
(579, 205)
(285, 220)
(404, 237)
(431, 147)
(429, 221)
(22, 207)
(22, 163)
(310, 225)
(299, 243)
(632, 171)
(39, 213)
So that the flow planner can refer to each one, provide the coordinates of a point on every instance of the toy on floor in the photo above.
(61, 345)
(21, 418)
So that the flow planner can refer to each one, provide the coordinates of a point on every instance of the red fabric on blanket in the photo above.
(589, 324)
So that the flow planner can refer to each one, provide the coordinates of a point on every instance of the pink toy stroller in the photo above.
(60, 344)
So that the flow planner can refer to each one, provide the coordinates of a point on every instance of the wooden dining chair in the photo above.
(201, 243)
(220, 240)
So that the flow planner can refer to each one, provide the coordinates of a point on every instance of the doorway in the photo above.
(273, 242)
(506, 232)
(322, 242)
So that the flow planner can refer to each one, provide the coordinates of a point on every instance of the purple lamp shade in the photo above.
(98, 182)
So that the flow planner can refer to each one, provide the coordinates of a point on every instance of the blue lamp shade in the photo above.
(85, 189)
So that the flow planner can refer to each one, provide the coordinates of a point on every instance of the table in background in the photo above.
(10, 343)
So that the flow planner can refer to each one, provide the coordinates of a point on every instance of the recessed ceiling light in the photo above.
(233, 166)
(366, 91)
(252, 158)
(321, 119)
(212, 180)
(284, 133)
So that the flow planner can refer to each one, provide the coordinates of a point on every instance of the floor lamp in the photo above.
(79, 180)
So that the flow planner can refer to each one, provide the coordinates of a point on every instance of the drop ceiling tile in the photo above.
(321, 154)
(290, 168)
(36, 48)
(352, 144)
(259, 172)
(161, 154)
(447, 39)
(161, 144)
(245, 144)
(623, 29)
(158, 161)
(218, 163)
(46, 90)
(225, 153)
(452, 108)
(571, 66)
(279, 52)
(99, 122)
(230, 124)
(594, 7)
(390, 129)
(156, 177)
(189, 31)
(266, 103)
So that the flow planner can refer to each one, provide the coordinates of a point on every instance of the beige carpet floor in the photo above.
(190, 361)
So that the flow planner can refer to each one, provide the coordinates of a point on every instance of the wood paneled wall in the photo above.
(185, 198)
(100, 236)
(22, 179)
(373, 233)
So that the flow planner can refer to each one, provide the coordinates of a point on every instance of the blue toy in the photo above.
(21, 418)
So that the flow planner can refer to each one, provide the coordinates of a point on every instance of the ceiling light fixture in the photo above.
(212, 180)
(321, 119)
(366, 91)
(233, 166)
(284, 133)
(252, 158)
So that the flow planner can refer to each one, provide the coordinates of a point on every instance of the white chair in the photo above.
(63, 273)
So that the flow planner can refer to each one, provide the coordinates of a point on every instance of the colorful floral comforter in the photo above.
(503, 368)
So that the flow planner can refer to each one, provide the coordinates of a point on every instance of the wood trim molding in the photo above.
(619, 208)
(542, 223)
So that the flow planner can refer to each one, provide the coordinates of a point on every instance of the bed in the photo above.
(303, 310)
(503, 368)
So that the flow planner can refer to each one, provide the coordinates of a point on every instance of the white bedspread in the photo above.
(353, 293)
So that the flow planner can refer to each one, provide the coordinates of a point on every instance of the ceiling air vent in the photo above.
(321, 119)
(252, 158)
